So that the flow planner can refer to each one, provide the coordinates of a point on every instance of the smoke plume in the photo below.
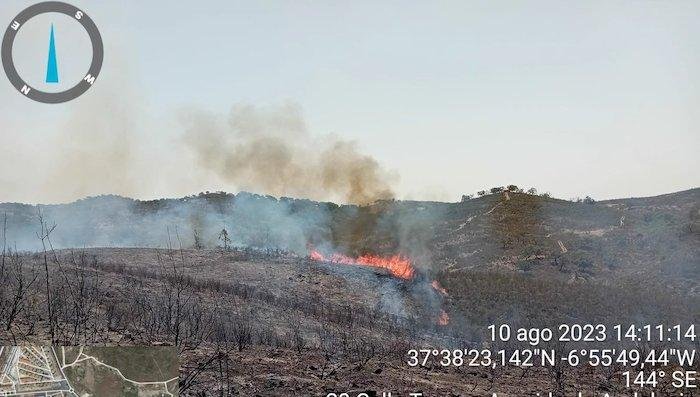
(269, 150)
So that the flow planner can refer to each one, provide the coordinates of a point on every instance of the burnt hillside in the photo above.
(504, 231)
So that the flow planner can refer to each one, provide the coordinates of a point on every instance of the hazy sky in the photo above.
(595, 98)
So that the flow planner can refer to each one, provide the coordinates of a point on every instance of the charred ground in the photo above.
(261, 317)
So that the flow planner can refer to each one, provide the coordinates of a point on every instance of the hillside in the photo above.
(287, 304)
(510, 231)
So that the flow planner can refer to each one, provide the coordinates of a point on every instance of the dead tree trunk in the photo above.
(43, 236)
(4, 245)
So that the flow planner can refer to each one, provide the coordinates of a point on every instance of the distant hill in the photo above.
(511, 231)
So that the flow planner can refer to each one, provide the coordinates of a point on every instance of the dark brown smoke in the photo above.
(269, 150)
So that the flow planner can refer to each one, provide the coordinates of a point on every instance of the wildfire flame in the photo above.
(436, 285)
(397, 265)
(315, 255)
(443, 318)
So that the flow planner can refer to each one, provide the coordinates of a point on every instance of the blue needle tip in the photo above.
(52, 67)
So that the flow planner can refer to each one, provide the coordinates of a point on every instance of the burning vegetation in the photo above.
(437, 287)
(397, 265)
(443, 318)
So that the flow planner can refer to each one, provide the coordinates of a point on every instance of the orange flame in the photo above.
(315, 255)
(397, 265)
(443, 318)
(436, 285)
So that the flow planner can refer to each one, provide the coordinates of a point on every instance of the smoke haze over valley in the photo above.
(431, 234)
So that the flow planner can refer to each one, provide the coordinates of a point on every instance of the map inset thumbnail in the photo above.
(88, 371)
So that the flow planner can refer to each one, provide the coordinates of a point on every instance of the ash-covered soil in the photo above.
(272, 323)
(257, 316)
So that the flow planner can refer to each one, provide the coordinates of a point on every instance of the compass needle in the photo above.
(52, 67)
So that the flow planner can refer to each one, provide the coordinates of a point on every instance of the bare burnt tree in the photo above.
(43, 236)
(186, 321)
(85, 288)
(72, 304)
(242, 329)
(226, 337)
(15, 293)
(3, 280)
(559, 370)
(225, 240)
(364, 349)
(222, 351)
(4, 244)
(295, 332)
(197, 239)
(191, 372)
(328, 348)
